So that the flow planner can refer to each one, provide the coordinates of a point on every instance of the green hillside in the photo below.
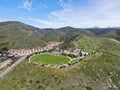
(100, 71)
(97, 72)
(106, 32)
(18, 35)
(14, 34)
(82, 41)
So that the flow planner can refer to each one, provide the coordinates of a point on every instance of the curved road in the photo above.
(9, 69)
(115, 40)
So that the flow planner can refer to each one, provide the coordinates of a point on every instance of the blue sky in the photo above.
(60, 13)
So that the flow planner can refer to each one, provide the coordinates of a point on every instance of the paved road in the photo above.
(115, 40)
(9, 69)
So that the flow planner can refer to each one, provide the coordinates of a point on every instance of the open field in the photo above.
(49, 59)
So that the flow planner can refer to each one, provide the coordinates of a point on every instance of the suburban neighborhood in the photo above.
(49, 46)
(10, 55)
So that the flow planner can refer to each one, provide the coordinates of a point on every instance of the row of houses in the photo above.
(47, 47)
(6, 54)
(76, 52)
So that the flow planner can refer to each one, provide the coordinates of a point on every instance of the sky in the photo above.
(61, 13)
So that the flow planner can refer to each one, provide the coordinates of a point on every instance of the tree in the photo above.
(80, 53)
(4, 49)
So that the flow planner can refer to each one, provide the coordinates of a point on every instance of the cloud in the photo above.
(65, 3)
(101, 13)
(41, 21)
(45, 23)
(61, 2)
(26, 4)
(41, 5)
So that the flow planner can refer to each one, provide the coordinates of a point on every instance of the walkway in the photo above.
(9, 69)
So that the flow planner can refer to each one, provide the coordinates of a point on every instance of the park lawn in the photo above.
(49, 59)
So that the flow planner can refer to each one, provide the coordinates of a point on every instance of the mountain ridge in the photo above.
(15, 34)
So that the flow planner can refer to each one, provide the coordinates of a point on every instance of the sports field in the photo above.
(49, 59)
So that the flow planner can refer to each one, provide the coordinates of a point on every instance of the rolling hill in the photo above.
(14, 34)
(18, 35)
(97, 72)
(106, 32)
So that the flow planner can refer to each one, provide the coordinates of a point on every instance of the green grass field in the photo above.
(49, 59)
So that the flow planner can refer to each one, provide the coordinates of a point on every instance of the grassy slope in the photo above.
(83, 41)
(19, 35)
(87, 42)
(49, 59)
(101, 72)
(106, 32)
